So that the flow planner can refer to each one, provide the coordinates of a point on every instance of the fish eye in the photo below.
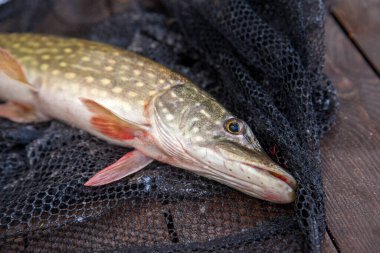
(234, 126)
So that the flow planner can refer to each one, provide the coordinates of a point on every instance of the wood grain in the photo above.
(351, 151)
(328, 246)
(361, 19)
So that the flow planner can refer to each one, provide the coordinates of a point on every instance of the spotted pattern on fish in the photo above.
(105, 70)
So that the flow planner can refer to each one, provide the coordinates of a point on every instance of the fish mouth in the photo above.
(284, 176)
(254, 173)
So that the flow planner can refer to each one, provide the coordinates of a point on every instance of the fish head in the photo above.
(200, 135)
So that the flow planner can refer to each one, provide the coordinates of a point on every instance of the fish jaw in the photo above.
(254, 173)
(273, 187)
(249, 172)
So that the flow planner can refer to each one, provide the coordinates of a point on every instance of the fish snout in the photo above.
(257, 175)
(276, 185)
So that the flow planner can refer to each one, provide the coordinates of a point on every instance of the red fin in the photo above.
(18, 112)
(110, 124)
(125, 166)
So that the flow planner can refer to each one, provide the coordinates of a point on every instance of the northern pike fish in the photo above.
(128, 100)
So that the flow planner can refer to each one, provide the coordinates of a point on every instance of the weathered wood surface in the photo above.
(361, 19)
(328, 246)
(351, 151)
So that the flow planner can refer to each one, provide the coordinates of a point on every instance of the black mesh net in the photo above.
(262, 59)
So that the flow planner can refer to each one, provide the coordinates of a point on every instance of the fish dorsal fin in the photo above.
(13, 69)
(111, 125)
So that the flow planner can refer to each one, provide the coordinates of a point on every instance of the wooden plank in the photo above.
(351, 151)
(328, 246)
(361, 19)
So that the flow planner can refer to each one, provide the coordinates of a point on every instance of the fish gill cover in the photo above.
(261, 59)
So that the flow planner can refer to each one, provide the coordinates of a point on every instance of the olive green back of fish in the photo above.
(89, 69)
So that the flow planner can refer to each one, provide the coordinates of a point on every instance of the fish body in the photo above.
(131, 101)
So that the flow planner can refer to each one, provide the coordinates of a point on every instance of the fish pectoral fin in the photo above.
(20, 113)
(130, 163)
(10, 67)
(111, 125)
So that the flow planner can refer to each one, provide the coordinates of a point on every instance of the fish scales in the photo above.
(131, 101)
(89, 69)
